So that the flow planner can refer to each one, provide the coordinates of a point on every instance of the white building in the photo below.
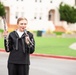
(36, 11)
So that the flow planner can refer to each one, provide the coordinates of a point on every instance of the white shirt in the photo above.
(19, 33)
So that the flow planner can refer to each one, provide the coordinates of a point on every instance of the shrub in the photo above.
(67, 13)
(1, 30)
(58, 33)
(2, 10)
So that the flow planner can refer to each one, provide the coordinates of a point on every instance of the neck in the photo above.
(20, 30)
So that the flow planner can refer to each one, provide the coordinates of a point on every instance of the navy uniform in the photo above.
(19, 60)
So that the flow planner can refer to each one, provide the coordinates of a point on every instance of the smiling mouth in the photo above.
(22, 28)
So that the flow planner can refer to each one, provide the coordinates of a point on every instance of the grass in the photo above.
(1, 30)
(1, 43)
(53, 46)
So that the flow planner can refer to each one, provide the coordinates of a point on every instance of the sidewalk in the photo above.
(49, 56)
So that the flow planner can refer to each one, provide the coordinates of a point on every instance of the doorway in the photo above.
(51, 15)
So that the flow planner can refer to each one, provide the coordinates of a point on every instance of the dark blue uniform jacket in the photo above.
(19, 50)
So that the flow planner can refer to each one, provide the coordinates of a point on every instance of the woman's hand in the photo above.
(27, 40)
(5, 34)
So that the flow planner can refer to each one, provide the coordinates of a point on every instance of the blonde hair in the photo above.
(19, 19)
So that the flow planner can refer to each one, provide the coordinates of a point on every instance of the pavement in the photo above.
(49, 55)
(42, 65)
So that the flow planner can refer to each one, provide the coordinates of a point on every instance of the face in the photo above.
(22, 25)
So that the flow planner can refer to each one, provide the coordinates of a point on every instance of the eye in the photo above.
(23, 24)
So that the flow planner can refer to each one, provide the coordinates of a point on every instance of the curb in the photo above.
(49, 56)
(55, 56)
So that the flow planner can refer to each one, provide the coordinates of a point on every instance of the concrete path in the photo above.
(43, 66)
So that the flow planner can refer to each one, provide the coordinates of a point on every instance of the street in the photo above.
(43, 66)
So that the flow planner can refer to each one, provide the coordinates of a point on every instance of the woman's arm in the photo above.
(8, 44)
(32, 45)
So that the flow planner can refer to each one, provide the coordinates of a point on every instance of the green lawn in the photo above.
(53, 46)
(1, 43)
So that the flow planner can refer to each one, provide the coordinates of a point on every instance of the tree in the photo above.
(2, 10)
(2, 14)
(67, 13)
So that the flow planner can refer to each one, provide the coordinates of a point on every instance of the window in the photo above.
(35, 0)
(35, 16)
(40, 15)
(40, 18)
(16, 15)
(22, 14)
(51, 1)
(40, 1)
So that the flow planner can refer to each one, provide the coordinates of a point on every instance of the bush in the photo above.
(2, 10)
(67, 13)
(58, 33)
(1, 30)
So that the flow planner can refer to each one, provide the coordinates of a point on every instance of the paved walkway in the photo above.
(43, 65)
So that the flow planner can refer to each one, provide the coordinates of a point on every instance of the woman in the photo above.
(20, 44)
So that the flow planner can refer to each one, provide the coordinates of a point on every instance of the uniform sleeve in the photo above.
(32, 45)
(8, 44)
